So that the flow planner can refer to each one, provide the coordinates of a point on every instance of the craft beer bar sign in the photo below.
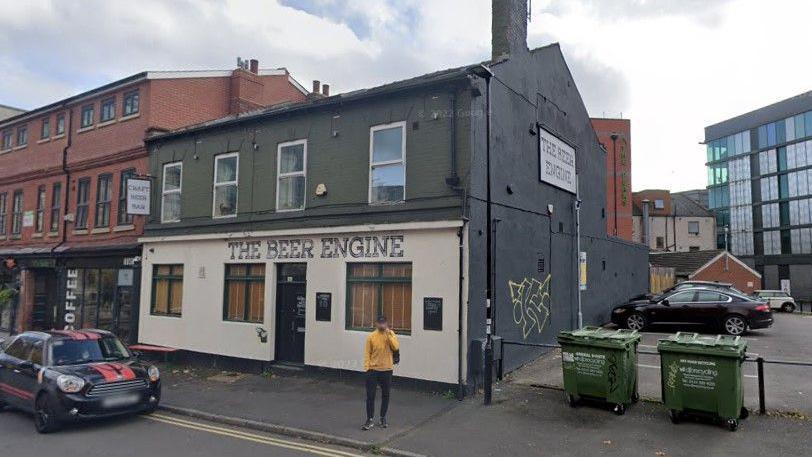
(357, 247)
(557, 161)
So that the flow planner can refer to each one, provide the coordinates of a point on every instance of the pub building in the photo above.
(68, 244)
(277, 237)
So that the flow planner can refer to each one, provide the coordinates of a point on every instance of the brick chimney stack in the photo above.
(508, 28)
(325, 90)
(254, 66)
(246, 88)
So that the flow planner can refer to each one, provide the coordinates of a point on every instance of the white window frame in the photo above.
(165, 192)
(280, 175)
(372, 130)
(215, 185)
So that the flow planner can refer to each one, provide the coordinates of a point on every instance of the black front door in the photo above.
(290, 312)
(44, 315)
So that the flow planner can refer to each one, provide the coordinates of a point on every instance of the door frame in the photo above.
(279, 286)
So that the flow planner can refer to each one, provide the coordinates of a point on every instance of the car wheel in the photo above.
(735, 325)
(44, 418)
(636, 321)
(788, 307)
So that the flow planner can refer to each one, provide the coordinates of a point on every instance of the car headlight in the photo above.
(70, 384)
(619, 310)
(153, 373)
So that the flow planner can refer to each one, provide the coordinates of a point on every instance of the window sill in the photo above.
(106, 123)
(370, 329)
(99, 230)
(52, 234)
(58, 137)
(3, 238)
(174, 316)
(17, 148)
(80, 232)
(86, 129)
(44, 140)
(36, 235)
(123, 228)
(172, 221)
(129, 117)
(5, 151)
(16, 237)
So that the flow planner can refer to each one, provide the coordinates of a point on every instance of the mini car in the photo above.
(69, 375)
(731, 312)
(777, 299)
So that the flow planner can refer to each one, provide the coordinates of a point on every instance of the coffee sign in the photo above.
(357, 247)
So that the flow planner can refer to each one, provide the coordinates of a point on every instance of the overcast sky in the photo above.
(671, 66)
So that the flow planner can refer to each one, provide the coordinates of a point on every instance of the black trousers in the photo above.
(375, 378)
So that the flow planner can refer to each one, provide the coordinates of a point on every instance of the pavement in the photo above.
(787, 388)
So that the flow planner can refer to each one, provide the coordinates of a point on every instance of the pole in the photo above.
(762, 407)
(578, 248)
(489, 242)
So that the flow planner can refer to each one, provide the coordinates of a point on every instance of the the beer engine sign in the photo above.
(71, 284)
(370, 246)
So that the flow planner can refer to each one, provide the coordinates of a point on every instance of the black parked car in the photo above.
(691, 284)
(732, 313)
(67, 375)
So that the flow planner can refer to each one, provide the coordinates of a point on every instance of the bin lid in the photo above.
(720, 345)
(598, 334)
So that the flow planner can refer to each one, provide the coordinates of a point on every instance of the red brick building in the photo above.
(711, 265)
(615, 136)
(65, 237)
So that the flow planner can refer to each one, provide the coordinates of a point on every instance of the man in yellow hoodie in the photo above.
(378, 363)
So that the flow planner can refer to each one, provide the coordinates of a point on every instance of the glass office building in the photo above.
(759, 169)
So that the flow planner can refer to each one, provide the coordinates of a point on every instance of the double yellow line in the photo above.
(261, 439)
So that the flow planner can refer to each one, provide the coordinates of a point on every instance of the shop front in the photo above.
(308, 297)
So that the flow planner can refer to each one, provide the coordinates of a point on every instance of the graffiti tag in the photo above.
(531, 304)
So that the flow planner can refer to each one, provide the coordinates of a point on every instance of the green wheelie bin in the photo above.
(600, 364)
(702, 375)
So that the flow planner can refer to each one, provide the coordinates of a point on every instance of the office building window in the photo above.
(60, 124)
(108, 110)
(167, 290)
(39, 223)
(56, 205)
(104, 191)
(290, 187)
(171, 191)
(244, 293)
(226, 175)
(82, 195)
(123, 217)
(45, 129)
(131, 102)
(379, 289)
(17, 213)
(87, 116)
(387, 167)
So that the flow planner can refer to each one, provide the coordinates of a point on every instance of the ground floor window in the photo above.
(244, 299)
(375, 289)
(104, 299)
(167, 290)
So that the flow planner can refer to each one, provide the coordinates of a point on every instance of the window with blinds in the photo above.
(244, 299)
(379, 289)
(167, 290)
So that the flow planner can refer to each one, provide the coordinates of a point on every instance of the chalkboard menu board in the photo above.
(432, 313)
(324, 302)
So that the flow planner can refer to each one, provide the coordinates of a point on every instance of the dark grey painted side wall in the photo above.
(530, 246)
(340, 162)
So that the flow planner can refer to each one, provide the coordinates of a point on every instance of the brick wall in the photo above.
(618, 174)
(736, 274)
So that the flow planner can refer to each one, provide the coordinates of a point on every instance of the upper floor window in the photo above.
(387, 165)
(104, 194)
(56, 206)
(108, 110)
(17, 213)
(39, 224)
(659, 203)
(131, 101)
(87, 116)
(45, 129)
(60, 124)
(290, 187)
(3, 214)
(123, 217)
(8, 139)
(225, 185)
(693, 227)
(82, 194)
(171, 192)
(22, 136)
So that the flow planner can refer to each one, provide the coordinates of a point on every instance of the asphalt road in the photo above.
(157, 435)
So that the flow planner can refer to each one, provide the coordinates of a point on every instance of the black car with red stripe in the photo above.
(67, 375)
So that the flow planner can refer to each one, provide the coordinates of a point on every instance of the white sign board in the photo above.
(28, 219)
(138, 196)
(557, 161)
(785, 286)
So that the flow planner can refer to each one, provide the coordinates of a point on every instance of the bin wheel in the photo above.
(744, 414)
(732, 425)
(573, 402)
(675, 416)
(620, 409)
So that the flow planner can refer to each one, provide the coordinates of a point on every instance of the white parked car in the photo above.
(777, 299)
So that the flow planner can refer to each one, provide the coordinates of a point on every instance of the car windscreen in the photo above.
(74, 352)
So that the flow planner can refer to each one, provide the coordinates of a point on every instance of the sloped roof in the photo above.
(684, 263)
(683, 207)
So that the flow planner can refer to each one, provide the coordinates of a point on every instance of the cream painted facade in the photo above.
(433, 248)
(667, 228)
